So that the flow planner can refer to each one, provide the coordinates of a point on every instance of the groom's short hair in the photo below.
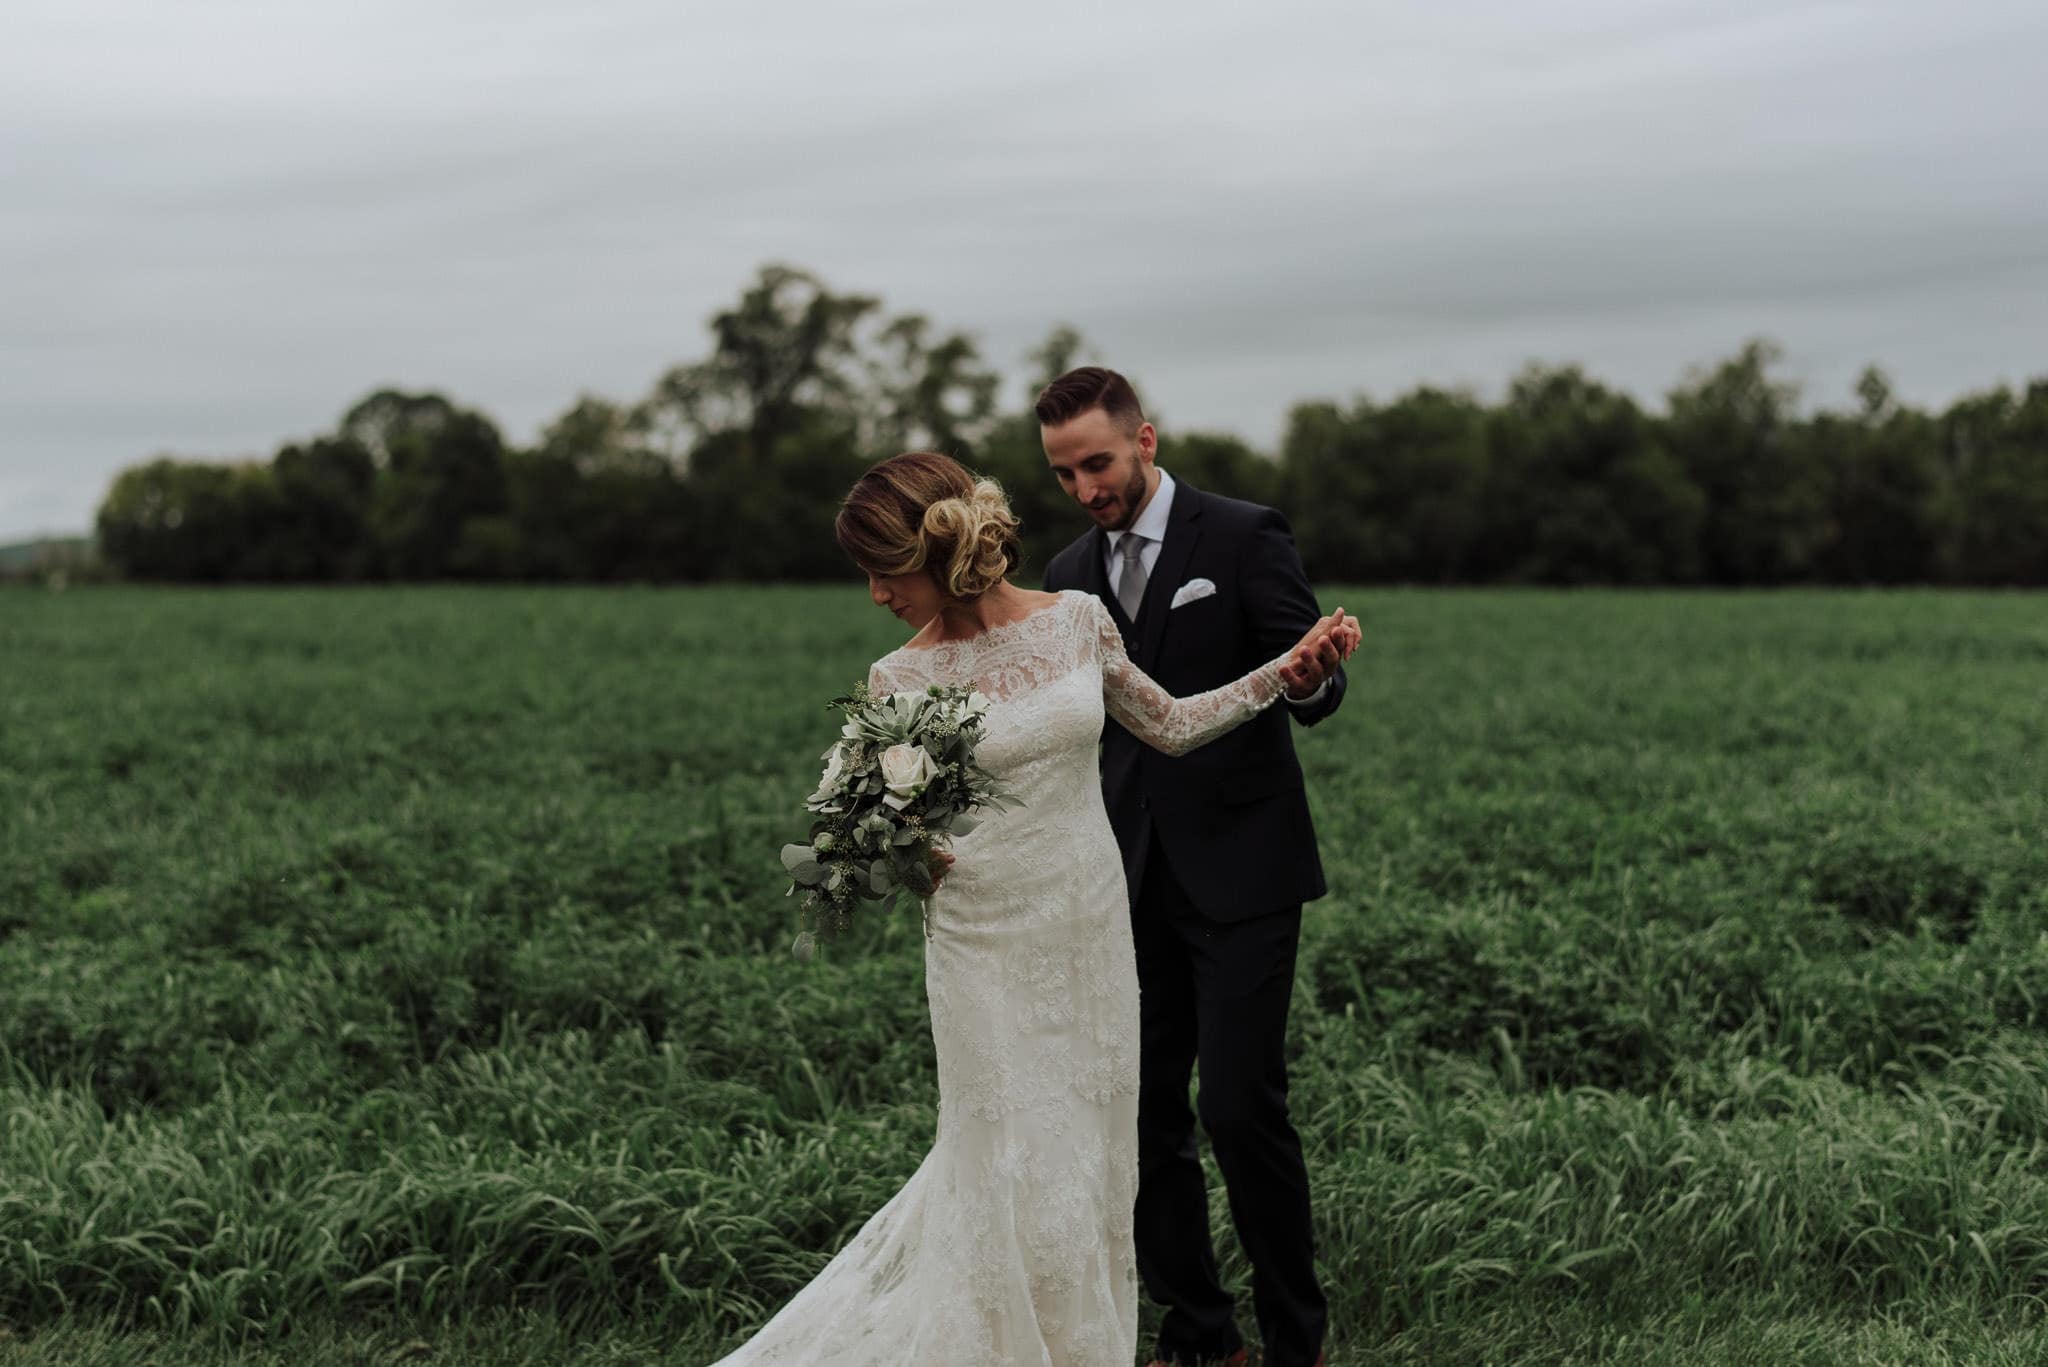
(1089, 386)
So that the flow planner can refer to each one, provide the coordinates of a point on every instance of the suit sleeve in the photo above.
(1280, 606)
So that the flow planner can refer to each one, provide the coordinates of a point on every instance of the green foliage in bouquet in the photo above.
(899, 783)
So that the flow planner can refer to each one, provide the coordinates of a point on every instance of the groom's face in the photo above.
(1102, 467)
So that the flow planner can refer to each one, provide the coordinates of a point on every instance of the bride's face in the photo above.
(913, 597)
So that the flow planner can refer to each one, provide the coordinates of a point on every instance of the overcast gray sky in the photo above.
(224, 221)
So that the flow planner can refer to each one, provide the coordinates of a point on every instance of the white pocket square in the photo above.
(1192, 591)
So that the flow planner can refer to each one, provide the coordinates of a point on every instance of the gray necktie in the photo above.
(1130, 585)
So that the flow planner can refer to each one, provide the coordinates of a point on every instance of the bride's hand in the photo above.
(939, 872)
(1315, 658)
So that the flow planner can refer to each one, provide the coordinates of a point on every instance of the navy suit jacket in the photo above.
(1232, 817)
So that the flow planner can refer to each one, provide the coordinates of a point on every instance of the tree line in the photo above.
(731, 468)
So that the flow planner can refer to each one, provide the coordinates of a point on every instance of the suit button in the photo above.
(1144, 804)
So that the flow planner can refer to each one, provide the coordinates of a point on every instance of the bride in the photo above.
(1012, 1243)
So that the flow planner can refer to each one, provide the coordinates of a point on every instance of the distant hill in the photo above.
(17, 557)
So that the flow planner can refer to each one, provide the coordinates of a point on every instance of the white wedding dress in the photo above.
(1011, 1244)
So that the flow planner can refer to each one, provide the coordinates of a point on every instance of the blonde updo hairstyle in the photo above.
(924, 511)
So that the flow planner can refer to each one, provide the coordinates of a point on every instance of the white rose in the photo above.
(906, 771)
(835, 770)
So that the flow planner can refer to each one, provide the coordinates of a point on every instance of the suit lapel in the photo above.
(1182, 531)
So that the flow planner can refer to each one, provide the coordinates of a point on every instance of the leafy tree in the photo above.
(1886, 500)
(772, 519)
(324, 488)
(187, 521)
(1731, 429)
(638, 522)
(1995, 445)
(789, 348)
(931, 396)
(545, 501)
(732, 467)
(596, 501)
(1327, 482)
(439, 475)
(1054, 356)
(1425, 521)
(388, 419)
(1581, 492)
(1221, 463)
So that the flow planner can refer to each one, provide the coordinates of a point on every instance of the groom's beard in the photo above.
(1123, 509)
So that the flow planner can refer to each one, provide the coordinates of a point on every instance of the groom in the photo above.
(1219, 854)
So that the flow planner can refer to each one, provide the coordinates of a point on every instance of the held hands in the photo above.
(1328, 644)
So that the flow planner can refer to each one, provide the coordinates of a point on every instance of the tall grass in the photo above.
(406, 972)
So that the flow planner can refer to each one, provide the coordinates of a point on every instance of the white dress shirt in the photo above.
(1151, 525)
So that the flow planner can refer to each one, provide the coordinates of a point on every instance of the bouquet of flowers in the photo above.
(900, 781)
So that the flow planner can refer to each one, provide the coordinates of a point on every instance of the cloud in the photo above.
(227, 221)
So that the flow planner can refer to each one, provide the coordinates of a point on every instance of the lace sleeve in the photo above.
(1162, 721)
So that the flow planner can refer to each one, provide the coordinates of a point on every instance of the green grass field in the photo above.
(402, 975)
